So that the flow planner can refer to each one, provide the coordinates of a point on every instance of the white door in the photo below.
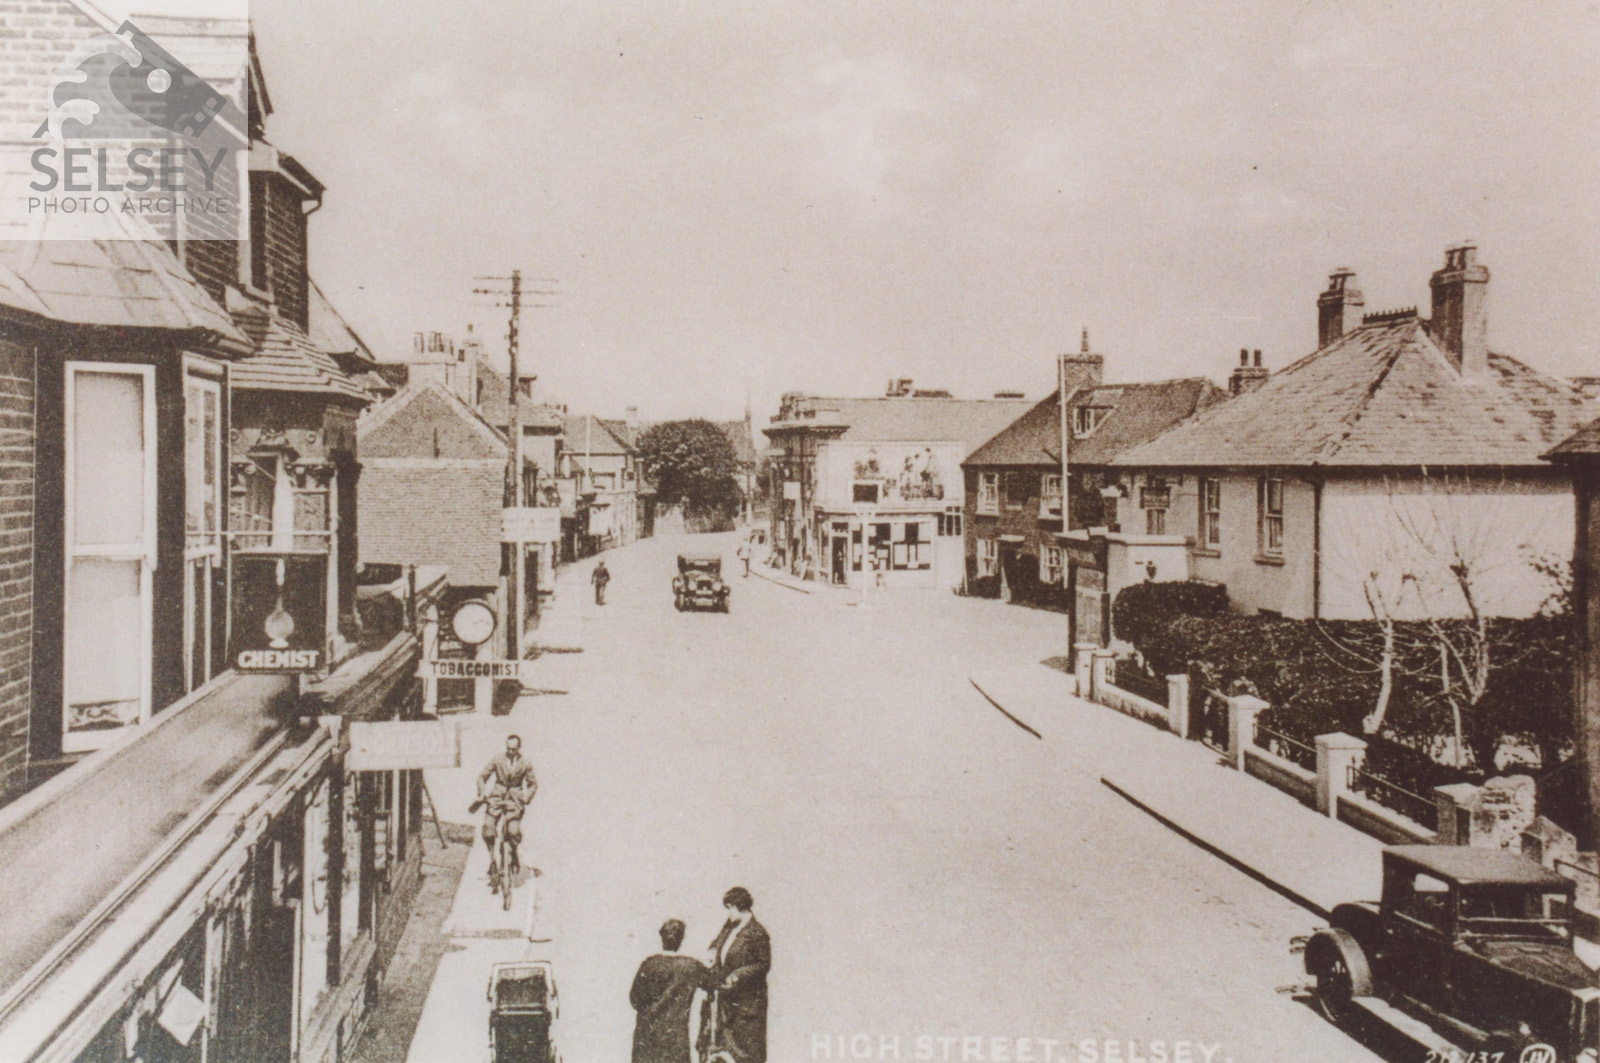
(110, 550)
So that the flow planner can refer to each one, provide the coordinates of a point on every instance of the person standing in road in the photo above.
(600, 578)
(744, 555)
(662, 993)
(741, 955)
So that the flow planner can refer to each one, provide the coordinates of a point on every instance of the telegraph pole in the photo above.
(514, 609)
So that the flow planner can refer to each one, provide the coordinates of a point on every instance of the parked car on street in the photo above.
(698, 584)
(1468, 951)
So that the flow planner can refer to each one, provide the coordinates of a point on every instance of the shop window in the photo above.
(110, 537)
(1269, 496)
(950, 522)
(1210, 531)
(988, 557)
(988, 492)
(1050, 566)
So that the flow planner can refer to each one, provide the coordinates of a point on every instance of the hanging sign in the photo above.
(530, 524)
(403, 745)
(280, 612)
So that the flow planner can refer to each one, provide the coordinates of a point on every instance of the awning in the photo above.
(1012, 538)
(69, 845)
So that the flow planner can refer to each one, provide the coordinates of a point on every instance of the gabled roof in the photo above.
(131, 283)
(587, 434)
(906, 419)
(428, 421)
(285, 359)
(1583, 443)
(1137, 413)
(331, 333)
(1384, 394)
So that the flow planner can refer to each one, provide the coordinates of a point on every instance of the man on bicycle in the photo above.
(505, 787)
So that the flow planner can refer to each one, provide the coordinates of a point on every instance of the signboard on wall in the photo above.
(402, 745)
(466, 668)
(530, 524)
(280, 612)
(791, 490)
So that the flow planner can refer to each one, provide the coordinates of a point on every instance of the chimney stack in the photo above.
(1338, 308)
(1460, 324)
(1248, 376)
(1083, 370)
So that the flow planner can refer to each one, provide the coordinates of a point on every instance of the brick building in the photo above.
(1014, 542)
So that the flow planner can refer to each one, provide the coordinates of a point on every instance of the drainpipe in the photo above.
(1316, 549)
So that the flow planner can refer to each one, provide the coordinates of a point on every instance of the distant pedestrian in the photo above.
(662, 993)
(600, 578)
(741, 954)
(744, 555)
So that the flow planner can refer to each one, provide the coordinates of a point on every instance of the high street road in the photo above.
(926, 868)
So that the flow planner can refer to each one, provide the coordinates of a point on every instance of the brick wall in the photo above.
(16, 561)
(34, 38)
(214, 263)
(278, 238)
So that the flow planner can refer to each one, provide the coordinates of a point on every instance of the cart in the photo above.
(522, 1007)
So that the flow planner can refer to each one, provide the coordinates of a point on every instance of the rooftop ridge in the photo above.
(1384, 317)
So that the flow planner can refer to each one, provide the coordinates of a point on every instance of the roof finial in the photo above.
(1086, 339)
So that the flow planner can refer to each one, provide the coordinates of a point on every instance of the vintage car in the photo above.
(1468, 951)
(698, 584)
(522, 1008)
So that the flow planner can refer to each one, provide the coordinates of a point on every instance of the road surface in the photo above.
(927, 869)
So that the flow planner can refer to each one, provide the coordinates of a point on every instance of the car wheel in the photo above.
(1342, 974)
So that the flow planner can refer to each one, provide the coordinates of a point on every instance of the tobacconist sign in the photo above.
(280, 612)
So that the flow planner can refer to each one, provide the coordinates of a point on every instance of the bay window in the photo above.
(110, 533)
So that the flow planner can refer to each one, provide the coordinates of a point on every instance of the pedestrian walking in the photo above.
(741, 955)
(744, 556)
(600, 578)
(662, 993)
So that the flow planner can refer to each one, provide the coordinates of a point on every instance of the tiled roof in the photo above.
(447, 513)
(911, 420)
(330, 332)
(114, 283)
(1137, 414)
(425, 422)
(1585, 442)
(1384, 394)
(285, 359)
(591, 438)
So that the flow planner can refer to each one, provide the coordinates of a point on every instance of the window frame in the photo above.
(1209, 533)
(1087, 419)
(201, 558)
(1268, 519)
(989, 493)
(1050, 500)
(142, 551)
(1052, 565)
(988, 557)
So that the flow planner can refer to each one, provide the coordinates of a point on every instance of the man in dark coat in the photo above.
(740, 958)
(662, 993)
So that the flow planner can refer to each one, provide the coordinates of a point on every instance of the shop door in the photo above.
(841, 547)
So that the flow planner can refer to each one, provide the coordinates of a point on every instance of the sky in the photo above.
(746, 198)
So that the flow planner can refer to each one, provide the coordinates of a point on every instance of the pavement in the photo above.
(1311, 859)
(927, 868)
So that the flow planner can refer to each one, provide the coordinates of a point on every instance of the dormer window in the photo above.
(1085, 419)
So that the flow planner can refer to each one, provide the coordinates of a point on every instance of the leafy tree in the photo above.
(692, 463)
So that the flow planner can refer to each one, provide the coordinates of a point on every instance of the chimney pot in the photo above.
(1258, 358)
(1460, 323)
(1246, 377)
(1244, 356)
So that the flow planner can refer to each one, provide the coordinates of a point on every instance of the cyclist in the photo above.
(505, 787)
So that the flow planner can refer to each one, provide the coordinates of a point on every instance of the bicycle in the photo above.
(503, 861)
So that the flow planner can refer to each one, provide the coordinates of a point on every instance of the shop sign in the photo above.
(467, 668)
(530, 524)
(280, 612)
(403, 745)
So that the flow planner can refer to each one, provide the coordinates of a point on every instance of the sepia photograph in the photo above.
(543, 531)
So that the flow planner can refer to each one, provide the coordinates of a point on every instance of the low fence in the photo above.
(1327, 775)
